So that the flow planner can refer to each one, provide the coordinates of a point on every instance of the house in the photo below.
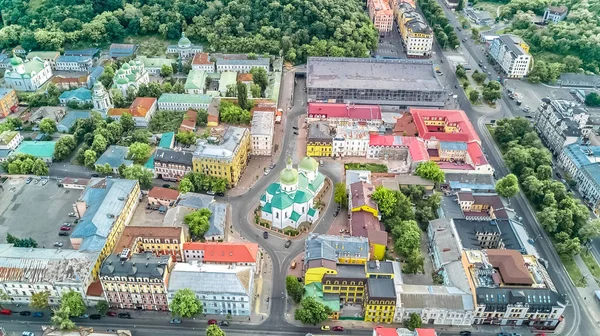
(228, 79)
(223, 253)
(555, 14)
(381, 15)
(117, 50)
(159, 240)
(241, 63)
(40, 149)
(154, 64)
(380, 300)
(417, 36)
(359, 199)
(159, 196)
(560, 123)
(8, 102)
(27, 76)
(512, 54)
(74, 183)
(55, 113)
(171, 165)
(141, 110)
(46, 56)
(245, 78)
(364, 224)
(73, 63)
(202, 62)
(479, 17)
(136, 281)
(322, 253)
(290, 201)
(81, 97)
(261, 131)
(184, 48)
(130, 75)
(89, 52)
(222, 289)
(478, 206)
(114, 156)
(319, 141)
(183, 102)
(195, 82)
(188, 124)
(213, 112)
(10, 140)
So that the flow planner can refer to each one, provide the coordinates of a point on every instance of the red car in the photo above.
(337, 328)
(212, 322)
(5, 312)
(65, 228)
(111, 314)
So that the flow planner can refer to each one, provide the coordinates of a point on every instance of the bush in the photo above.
(372, 167)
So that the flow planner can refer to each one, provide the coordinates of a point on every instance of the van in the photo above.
(321, 163)
(5, 312)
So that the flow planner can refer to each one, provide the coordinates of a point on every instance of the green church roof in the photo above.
(308, 164)
(295, 216)
(281, 201)
(289, 176)
(302, 196)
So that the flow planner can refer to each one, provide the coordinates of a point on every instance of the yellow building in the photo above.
(8, 101)
(380, 300)
(359, 198)
(317, 268)
(225, 156)
(319, 141)
(104, 209)
(159, 240)
(349, 283)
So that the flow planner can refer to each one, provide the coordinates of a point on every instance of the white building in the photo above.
(509, 51)
(131, 75)
(555, 14)
(223, 289)
(419, 39)
(560, 123)
(73, 63)
(582, 163)
(262, 132)
(101, 98)
(241, 65)
(351, 141)
(290, 202)
(184, 48)
(202, 62)
(36, 270)
(10, 139)
(27, 76)
(183, 102)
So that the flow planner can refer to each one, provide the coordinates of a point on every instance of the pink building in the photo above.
(381, 14)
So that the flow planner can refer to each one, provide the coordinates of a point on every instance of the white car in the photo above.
(45, 181)
(72, 214)
(267, 171)
(58, 244)
(27, 333)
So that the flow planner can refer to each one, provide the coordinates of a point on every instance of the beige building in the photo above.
(262, 132)
(381, 14)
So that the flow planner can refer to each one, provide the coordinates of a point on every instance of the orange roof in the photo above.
(117, 111)
(95, 289)
(201, 58)
(141, 106)
(244, 77)
(225, 252)
(163, 193)
(189, 121)
(456, 118)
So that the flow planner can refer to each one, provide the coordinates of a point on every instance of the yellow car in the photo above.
(324, 327)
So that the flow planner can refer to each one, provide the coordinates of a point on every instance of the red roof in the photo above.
(201, 58)
(141, 106)
(189, 121)
(381, 331)
(163, 193)
(425, 332)
(363, 112)
(405, 125)
(476, 154)
(416, 146)
(225, 252)
(362, 222)
(244, 77)
(456, 118)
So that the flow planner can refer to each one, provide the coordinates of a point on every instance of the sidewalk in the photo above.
(587, 293)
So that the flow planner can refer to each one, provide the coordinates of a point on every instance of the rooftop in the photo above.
(262, 123)
(512, 44)
(469, 230)
(105, 200)
(202, 58)
(419, 297)
(558, 9)
(319, 131)
(363, 222)
(166, 140)
(350, 111)
(211, 279)
(132, 233)
(139, 265)
(221, 149)
(82, 94)
(7, 136)
(156, 62)
(183, 98)
(163, 193)
(457, 126)
(115, 156)
(227, 78)
(43, 54)
(189, 121)
(196, 80)
(381, 288)
(141, 106)
(328, 247)
(511, 265)
(74, 59)
(39, 149)
(69, 120)
(227, 60)
(370, 73)
(82, 52)
(353, 176)
(225, 252)
(172, 156)
(405, 125)
(315, 291)
(360, 194)
(491, 200)
(195, 201)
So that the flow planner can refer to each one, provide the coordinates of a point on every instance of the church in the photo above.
(184, 48)
(27, 76)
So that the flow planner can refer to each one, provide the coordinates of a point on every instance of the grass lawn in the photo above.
(592, 264)
(490, 7)
(153, 45)
(574, 271)
(373, 167)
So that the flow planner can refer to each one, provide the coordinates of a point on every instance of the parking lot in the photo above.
(36, 211)
(145, 217)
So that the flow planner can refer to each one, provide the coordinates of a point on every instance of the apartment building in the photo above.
(417, 36)
(136, 281)
(172, 165)
(159, 196)
(10, 140)
(582, 163)
(222, 253)
(481, 206)
(241, 63)
(261, 131)
(201, 61)
(555, 14)
(8, 102)
(410, 150)
(73, 63)
(319, 141)
(380, 300)
(560, 123)
(494, 234)
(183, 102)
(159, 240)
(351, 140)
(344, 114)
(381, 14)
(512, 54)
(224, 156)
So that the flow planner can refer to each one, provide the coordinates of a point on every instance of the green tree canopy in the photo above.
(430, 171)
(139, 173)
(48, 126)
(198, 222)
(102, 307)
(294, 288)
(214, 330)
(185, 304)
(341, 194)
(139, 152)
(64, 147)
(414, 321)
(508, 186)
(39, 300)
(74, 301)
(311, 311)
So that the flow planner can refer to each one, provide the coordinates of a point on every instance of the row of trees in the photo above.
(442, 29)
(298, 29)
(25, 164)
(169, 121)
(564, 217)
(197, 182)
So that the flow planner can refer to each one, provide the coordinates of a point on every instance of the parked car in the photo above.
(84, 316)
(295, 127)
(27, 333)
(25, 313)
(166, 186)
(95, 317)
(337, 328)
(288, 243)
(337, 212)
(36, 181)
(175, 321)
(210, 192)
(72, 214)
(295, 133)
(267, 171)
(67, 224)
(6, 312)
(45, 181)
(224, 324)
(124, 315)
(212, 322)
(63, 233)
(95, 175)
(325, 328)
(29, 179)
(272, 166)
(65, 228)
(58, 244)
(265, 235)
(38, 314)
(465, 333)
(558, 175)
(111, 314)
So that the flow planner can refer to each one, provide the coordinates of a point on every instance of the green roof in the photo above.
(308, 164)
(33, 66)
(267, 208)
(316, 183)
(166, 140)
(155, 62)
(281, 201)
(39, 149)
(311, 212)
(7, 137)
(227, 78)
(43, 54)
(273, 188)
(315, 291)
(302, 196)
(150, 163)
(288, 176)
(263, 198)
(184, 98)
(196, 80)
(295, 216)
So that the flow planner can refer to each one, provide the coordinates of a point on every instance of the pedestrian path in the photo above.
(588, 293)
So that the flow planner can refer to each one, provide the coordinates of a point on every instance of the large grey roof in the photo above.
(172, 156)
(381, 288)
(538, 299)
(331, 247)
(419, 297)
(211, 279)
(142, 265)
(217, 219)
(510, 42)
(115, 156)
(260, 61)
(319, 131)
(225, 149)
(195, 200)
(370, 73)
(467, 230)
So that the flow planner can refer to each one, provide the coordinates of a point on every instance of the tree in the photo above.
(4, 297)
(474, 31)
(90, 158)
(407, 235)
(430, 171)
(259, 77)
(166, 70)
(592, 99)
(414, 262)
(473, 96)
(185, 304)
(341, 194)
(185, 185)
(242, 95)
(139, 173)
(40, 300)
(294, 288)
(186, 138)
(590, 230)
(74, 302)
(139, 152)
(198, 222)
(386, 200)
(62, 318)
(460, 72)
(214, 330)
(255, 90)
(572, 63)
(104, 169)
(17, 242)
(508, 186)
(414, 321)
(218, 185)
(48, 126)
(566, 245)
(64, 147)
(233, 114)
(479, 77)
(312, 311)
(99, 144)
(102, 307)
(127, 122)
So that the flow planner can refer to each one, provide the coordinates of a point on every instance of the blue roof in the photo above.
(217, 219)
(150, 163)
(69, 120)
(444, 145)
(115, 156)
(105, 198)
(72, 59)
(95, 72)
(40, 136)
(579, 154)
(195, 200)
(593, 170)
(82, 52)
(166, 140)
(122, 50)
(81, 94)
(4, 152)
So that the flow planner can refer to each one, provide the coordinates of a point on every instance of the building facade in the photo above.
(582, 163)
(171, 165)
(242, 64)
(319, 141)
(184, 48)
(262, 129)
(101, 99)
(10, 140)
(381, 14)
(183, 102)
(559, 124)
(222, 253)
(73, 63)
(417, 36)
(159, 240)
(380, 300)
(80, 96)
(555, 14)
(224, 157)
(202, 62)
(512, 54)
(137, 281)
(27, 76)
(8, 102)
